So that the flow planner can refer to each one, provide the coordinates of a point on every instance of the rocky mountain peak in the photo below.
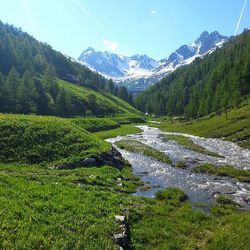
(140, 71)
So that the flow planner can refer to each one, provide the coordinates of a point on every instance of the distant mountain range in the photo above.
(138, 72)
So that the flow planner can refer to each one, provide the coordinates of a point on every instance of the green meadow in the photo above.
(46, 208)
(235, 128)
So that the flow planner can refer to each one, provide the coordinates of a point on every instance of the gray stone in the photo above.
(112, 158)
(89, 161)
(121, 238)
(120, 218)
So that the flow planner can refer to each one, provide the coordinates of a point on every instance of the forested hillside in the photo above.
(213, 84)
(29, 81)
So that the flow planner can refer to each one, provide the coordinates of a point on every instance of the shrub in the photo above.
(171, 194)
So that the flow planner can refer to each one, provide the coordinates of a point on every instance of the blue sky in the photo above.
(152, 27)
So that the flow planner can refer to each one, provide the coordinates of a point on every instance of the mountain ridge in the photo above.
(214, 84)
(138, 72)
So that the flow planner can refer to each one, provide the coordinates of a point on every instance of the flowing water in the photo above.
(198, 187)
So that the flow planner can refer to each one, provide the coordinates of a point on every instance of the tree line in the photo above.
(28, 78)
(215, 83)
(33, 93)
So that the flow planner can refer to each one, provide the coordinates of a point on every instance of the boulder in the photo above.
(112, 158)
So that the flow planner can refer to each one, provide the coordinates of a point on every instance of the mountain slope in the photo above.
(96, 102)
(21, 50)
(32, 75)
(116, 66)
(140, 71)
(213, 84)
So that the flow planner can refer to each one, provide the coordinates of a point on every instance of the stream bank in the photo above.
(199, 187)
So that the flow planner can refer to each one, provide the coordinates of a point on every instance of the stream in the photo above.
(199, 187)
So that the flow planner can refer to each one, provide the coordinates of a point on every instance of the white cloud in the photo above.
(106, 42)
(114, 45)
(153, 12)
(110, 45)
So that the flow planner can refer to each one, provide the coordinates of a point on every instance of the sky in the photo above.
(152, 27)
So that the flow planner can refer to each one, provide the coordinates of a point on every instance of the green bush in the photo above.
(171, 194)
(224, 200)
(223, 206)
(181, 164)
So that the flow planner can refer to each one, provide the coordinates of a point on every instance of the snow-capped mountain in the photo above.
(140, 71)
(117, 66)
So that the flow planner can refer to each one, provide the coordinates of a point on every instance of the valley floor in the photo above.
(46, 208)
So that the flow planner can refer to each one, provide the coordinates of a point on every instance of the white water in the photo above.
(199, 187)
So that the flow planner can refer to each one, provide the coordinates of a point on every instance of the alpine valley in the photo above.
(138, 72)
(87, 164)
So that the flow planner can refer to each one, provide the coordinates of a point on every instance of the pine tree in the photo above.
(111, 86)
(116, 90)
(131, 99)
(245, 83)
(26, 95)
(43, 99)
(92, 103)
(123, 93)
(2, 80)
(63, 103)
(50, 79)
(10, 91)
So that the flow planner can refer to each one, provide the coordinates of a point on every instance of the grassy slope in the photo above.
(37, 139)
(73, 209)
(105, 128)
(235, 128)
(106, 102)
(46, 209)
